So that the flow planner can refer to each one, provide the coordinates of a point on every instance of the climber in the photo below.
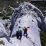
(19, 33)
(25, 31)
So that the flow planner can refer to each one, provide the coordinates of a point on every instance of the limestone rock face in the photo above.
(28, 15)
(2, 30)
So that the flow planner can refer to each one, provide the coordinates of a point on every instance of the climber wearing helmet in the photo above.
(25, 31)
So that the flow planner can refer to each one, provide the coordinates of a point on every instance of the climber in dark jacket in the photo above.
(25, 31)
(19, 33)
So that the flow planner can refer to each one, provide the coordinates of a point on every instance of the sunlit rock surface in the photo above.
(26, 15)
